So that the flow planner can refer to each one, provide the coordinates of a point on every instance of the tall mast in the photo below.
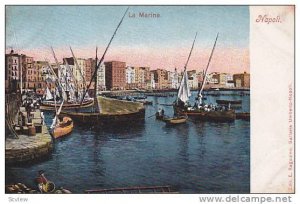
(55, 76)
(79, 70)
(72, 75)
(95, 85)
(102, 58)
(58, 65)
(185, 66)
(204, 77)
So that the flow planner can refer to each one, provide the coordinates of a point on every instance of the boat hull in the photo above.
(175, 121)
(218, 116)
(67, 106)
(64, 129)
(99, 118)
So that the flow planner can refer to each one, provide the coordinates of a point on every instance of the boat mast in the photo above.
(57, 80)
(72, 75)
(61, 71)
(95, 85)
(185, 66)
(102, 58)
(79, 70)
(205, 73)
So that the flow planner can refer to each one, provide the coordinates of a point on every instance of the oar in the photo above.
(152, 116)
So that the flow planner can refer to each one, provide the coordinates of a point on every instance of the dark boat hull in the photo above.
(67, 106)
(218, 116)
(99, 118)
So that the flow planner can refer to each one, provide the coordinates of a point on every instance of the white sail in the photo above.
(184, 90)
(48, 94)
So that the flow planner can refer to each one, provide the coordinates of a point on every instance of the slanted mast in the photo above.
(184, 91)
(199, 98)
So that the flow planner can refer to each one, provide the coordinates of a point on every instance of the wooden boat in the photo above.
(217, 115)
(200, 111)
(50, 106)
(109, 111)
(63, 128)
(175, 120)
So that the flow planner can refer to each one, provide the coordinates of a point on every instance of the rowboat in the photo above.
(63, 128)
(175, 120)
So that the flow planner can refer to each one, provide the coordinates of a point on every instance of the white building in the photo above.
(130, 75)
(152, 81)
(101, 78)
(193, 79)
(173, 79)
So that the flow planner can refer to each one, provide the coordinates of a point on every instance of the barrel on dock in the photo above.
(31, 130)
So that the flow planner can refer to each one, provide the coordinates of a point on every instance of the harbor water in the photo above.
(196, 157)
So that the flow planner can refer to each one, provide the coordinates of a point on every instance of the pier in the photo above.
(25, 142)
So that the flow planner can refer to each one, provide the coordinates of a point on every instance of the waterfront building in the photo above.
(88, 69)
(41, 67)
(160, 78)
(242, 80)
(192, 79)
(76, 72)
(12, 71)
(31, 73)
(152, 81)
(101, 78)
(211, 79)
(115, 77)
(173, 79)
(130, 75)
(142, 77)
(221, 78)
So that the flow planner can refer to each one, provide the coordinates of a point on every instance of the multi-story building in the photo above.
(115, 77)
(88, 69)
(173, 79)
(41, 67)
(221, 78)
(242, 80)
(211, 79)
(130, 75)
(12, 71)
(193, 79)
(152, 81)
(101, 78)
(160, 78)
(230, 82)
(79, 71)
(31, 72)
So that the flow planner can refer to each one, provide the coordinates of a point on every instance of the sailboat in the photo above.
(107, 110)
(67, 91)
(60, 128)
(200, 111)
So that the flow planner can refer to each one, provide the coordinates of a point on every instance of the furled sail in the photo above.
(184, 90)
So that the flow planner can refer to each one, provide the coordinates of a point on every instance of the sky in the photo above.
(162, 42)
